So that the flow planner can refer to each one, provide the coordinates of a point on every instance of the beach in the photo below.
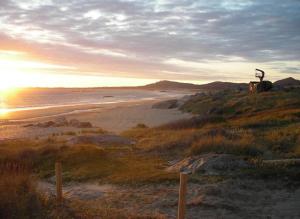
(114, 117)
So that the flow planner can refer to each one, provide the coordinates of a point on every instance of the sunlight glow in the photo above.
(3, 109)
(19, 71)
(3, 112)
(11, 76)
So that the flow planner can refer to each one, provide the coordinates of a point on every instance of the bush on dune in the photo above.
(162, 141)
(41, 159)
(273, 117)
(99, 131)
(285, 140)
(195, 122)
(81, 162)
(141, 126)
(18, 195)
(9, 148)
(90, 162)
(140, 169)
(239, 145)
(228, 103)
(271, 134)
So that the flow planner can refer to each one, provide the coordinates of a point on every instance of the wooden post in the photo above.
(58, 170)
(182, 196)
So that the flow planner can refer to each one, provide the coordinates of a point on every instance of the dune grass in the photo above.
(163, 142)
(239, 145)
(94, 131)
(259, 125)
(239, 141)
(108, 211)
(289, 171)
(88, 162)
(233, 103)
(18, 195)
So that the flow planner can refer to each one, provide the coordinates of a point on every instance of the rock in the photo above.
(77, 124)
(100, 139)
(46, 124)
(61, 121)
(168, 104)
(28, 125)
(74, 123)
(141, 126)
(85, 125)
(183, 100)
(210, 164)
(291, 161)
(214, 110)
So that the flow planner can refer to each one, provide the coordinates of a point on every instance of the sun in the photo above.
(15, 70)
(3, 108)
(10, 76)
(3, 112)
(6, 87)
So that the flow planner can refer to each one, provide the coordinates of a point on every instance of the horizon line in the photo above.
(138, 86)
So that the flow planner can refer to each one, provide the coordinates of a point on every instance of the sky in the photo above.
(88, 43)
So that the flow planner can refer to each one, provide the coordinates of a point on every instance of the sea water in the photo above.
(43, 98)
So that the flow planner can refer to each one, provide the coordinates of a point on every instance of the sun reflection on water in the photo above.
(3, 108)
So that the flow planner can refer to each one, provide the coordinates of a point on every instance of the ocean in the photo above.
(43, 98)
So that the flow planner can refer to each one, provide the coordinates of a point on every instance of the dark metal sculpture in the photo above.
(259, 74)
(261, 86)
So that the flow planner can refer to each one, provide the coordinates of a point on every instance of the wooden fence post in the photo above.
(58, 174)
(182, 195)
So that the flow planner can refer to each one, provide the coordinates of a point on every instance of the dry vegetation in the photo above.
(87, 162)
(32, 160)
(262, 126)
(18, 195)
(236, 144)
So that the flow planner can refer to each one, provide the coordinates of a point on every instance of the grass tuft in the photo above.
(18, 195)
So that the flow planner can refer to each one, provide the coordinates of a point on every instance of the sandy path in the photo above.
(233, 198)
(78, 191)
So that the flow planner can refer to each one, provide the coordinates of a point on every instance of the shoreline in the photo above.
(41, 113)
(114, 118)
(25, 114)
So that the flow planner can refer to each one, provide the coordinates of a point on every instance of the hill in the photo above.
(214, 86)
(172, 85)
(219, 85)
(231, 104)
(264, 125)
(287, 82)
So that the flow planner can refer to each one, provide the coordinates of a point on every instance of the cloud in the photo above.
(141, 38)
